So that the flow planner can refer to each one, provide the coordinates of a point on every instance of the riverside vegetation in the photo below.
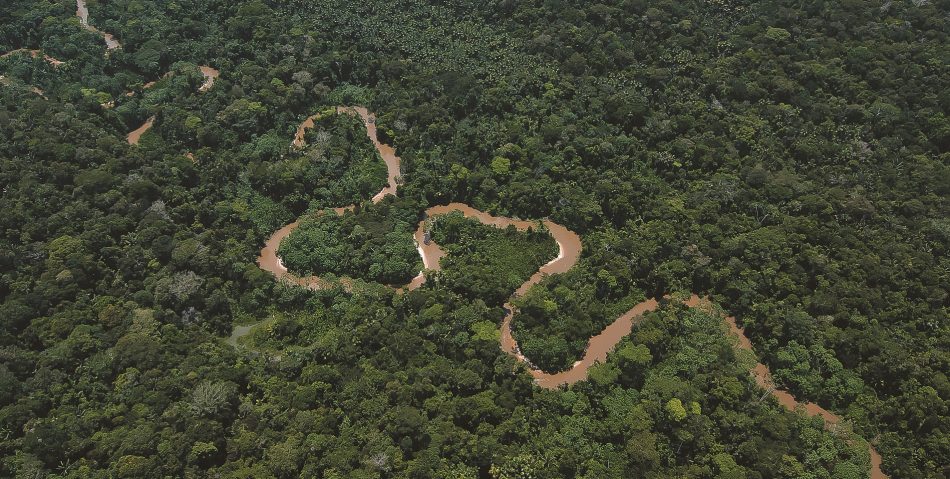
(788, 159)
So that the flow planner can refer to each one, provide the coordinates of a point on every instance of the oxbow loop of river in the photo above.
(569, 251)
(569, 245)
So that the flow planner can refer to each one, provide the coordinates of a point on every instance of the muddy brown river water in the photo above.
(569, 251)
(210, 75)
(268, 259)
(569, 247)
(83, 13)
(387, 152)
(133, 137)
(35, 54)
(136, 134)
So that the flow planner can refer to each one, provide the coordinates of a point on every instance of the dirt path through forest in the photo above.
(569, 246)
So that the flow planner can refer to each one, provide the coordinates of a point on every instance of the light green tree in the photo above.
(675, 409)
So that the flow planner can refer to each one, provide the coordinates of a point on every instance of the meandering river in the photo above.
(83, 13)
(268, 259)
(210, 74)
(133, 137)
(569, 251)
(387, 152)
(35, 54)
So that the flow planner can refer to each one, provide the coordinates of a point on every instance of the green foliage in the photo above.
(486, 331)
(209, 398)
(338, 166)
(675, 410)
(350, 94)
(522, 466)
(778, 35)
(501, 166)
(264, 213)
(245, 115)
(487, 262)
(374, 244)
(131, 466)
(557, 317)
(787, 158)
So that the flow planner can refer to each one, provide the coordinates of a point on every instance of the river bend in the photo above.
(569, 251)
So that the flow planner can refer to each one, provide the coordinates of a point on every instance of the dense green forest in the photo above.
(788, 159)
(374, 244)
(337, 166)
(556, 319)
(484, 262)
